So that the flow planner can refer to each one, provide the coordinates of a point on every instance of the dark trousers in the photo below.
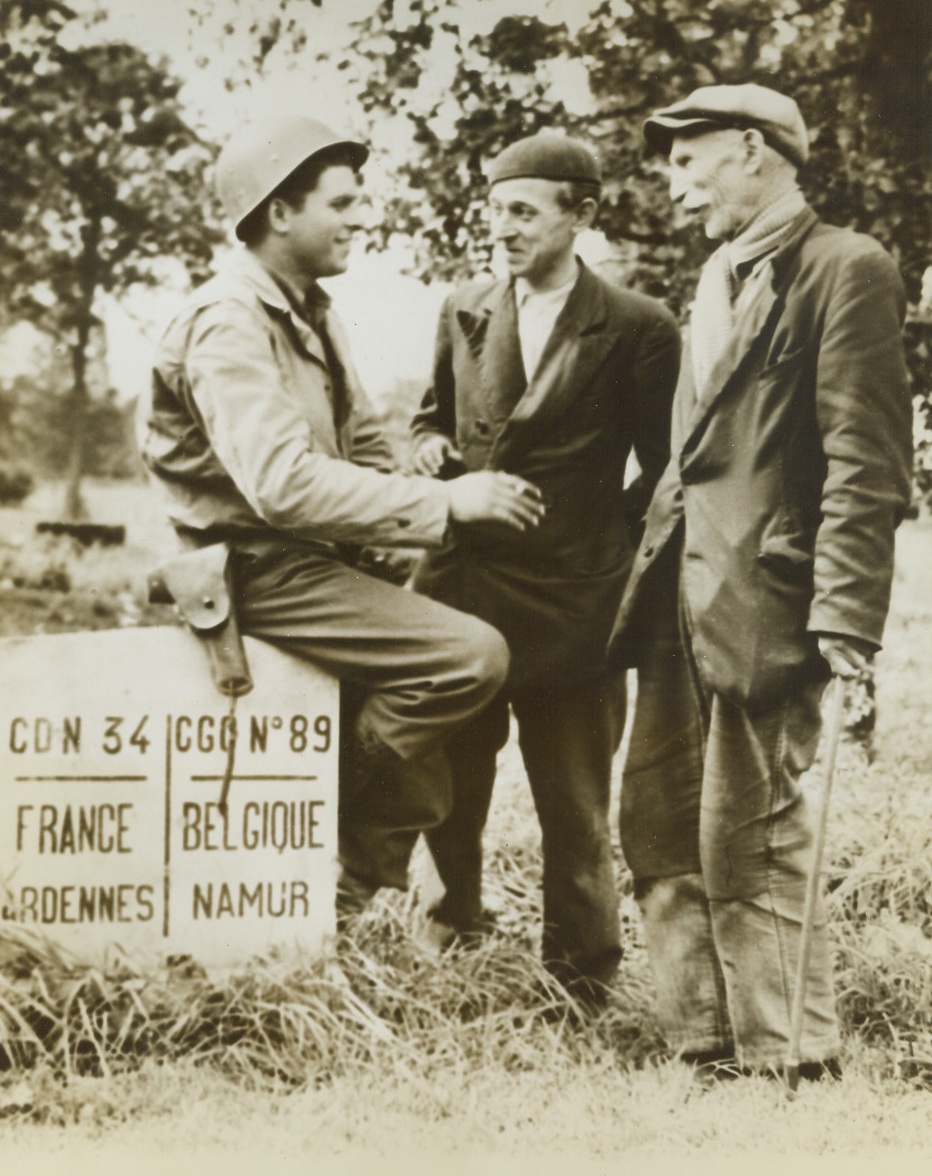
(568, 735)
(412, 672)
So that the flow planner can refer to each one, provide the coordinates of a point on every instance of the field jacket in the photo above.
(785, 485)
(240, 427)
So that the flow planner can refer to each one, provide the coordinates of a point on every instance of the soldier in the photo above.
(552, 375)
(765, 567)
(262, 439)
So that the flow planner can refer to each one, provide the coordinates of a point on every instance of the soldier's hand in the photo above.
(492, 496)
(847, 656)
(432, 452)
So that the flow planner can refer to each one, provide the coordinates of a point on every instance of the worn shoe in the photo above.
(722, 1066)
(815, 1071)
(353, 896)
(436, 936)
(713, 1065)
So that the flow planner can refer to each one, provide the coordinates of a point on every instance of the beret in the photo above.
(548, 155)
(776, 116)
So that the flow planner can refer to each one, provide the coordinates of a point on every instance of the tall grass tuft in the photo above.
(881, 899)
(381, 1000)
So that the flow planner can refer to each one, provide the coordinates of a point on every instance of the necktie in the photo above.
(339, 396)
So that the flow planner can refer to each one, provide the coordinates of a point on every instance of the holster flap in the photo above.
(196, 582)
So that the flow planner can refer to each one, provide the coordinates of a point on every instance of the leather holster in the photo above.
(199, 585)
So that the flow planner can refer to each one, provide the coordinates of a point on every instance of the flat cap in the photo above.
(776, 116)
(548, 155)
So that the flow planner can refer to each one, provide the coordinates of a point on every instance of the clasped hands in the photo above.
(482, 496)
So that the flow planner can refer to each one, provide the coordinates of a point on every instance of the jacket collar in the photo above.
(243, 265)
(577, 346)
(585, 305)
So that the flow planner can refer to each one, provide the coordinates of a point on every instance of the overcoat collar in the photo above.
(576, 348)
(245, 267)
(753, 324)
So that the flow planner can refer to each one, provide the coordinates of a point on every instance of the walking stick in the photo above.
(836, 713)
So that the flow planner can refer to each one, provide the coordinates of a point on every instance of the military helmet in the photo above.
(260, 155)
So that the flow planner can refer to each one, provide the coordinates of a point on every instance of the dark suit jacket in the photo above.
(786, 484)
(604, 384)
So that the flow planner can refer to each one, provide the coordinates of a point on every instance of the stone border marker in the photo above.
(113, 749)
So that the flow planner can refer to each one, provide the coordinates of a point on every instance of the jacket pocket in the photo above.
(784, 362)
(788, 556)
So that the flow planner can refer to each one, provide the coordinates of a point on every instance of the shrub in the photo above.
(16, 483)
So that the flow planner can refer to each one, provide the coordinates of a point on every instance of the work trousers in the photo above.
(411, 671)
(568, 735)
(718, 836)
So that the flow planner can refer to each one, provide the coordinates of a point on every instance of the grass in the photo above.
(388, 1053)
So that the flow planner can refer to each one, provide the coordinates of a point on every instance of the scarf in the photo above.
(713, 315)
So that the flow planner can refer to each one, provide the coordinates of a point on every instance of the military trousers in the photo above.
(568, 734)
(412, 672)
(718, 835)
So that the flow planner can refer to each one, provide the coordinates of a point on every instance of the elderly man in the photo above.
(765, 567)
(263, 440)
(552, 375)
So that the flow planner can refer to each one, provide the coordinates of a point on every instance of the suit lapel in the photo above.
(747, 333)
(308, 338)
(575, 350)
(491, 334)
(754, 328)
(475, 328)
(502, 368)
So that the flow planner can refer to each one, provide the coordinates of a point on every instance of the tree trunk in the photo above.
(898, 71)
(74, 509)
(74, 506)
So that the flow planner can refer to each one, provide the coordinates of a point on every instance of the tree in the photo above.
(102, 180)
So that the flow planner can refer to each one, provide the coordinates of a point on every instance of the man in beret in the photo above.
(765, 567)
(265, 445)
(555, 376)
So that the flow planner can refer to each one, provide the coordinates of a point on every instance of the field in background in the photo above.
(51, 584)
(392, 1056)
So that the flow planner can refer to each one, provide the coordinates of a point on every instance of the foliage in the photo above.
(881, 901)
(387, 1002)
(102, 179)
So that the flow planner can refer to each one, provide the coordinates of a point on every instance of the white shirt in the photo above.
(537, 314)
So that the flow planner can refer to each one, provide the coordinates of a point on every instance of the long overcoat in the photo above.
(787, 480)
(604, 384)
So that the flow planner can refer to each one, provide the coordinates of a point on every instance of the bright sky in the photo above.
(390, 318)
